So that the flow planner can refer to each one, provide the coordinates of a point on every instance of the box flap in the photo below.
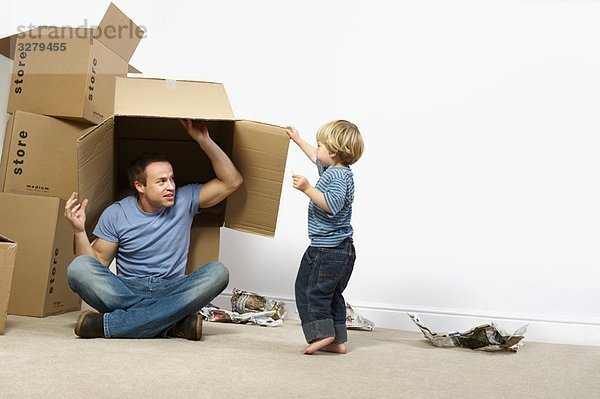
(5, 151)
(95, 163)
(259, 153)
(133, 69)
(5, 239)
(7, 46)
(119, 33)
(171, 99)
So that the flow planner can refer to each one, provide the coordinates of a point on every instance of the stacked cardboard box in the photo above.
(49, 158)
(62, 82)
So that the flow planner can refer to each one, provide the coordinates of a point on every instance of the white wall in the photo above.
(477, 197)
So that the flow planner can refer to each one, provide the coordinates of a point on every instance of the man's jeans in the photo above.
(322, 277)
(144, 307)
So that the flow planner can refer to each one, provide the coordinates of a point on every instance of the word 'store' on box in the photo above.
(8, 252)
(70, 72)
(45, 240)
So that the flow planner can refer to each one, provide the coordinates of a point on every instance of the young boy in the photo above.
(327, 264)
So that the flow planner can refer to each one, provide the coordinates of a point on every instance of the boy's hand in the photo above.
(293, 133)
(300, 183)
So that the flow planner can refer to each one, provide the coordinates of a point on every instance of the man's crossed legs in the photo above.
(143, 307)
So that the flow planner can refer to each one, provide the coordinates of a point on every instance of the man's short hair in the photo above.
(137, 168)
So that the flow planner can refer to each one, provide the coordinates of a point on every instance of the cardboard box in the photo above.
(147, 113)
(69, 72)
(39, 156)
(93, 160)
(8, 251)
(45, 239)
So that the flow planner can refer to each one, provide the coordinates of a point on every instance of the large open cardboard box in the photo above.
(45, 240)
(8, 252)
(69, 72)
(58, 157)
(147, 113)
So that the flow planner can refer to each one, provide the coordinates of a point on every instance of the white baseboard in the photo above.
(546, 329)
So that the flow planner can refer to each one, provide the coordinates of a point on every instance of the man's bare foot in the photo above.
(317, 345)
(335, 348)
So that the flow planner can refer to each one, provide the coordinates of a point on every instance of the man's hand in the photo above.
(196, 129)
(75, 212)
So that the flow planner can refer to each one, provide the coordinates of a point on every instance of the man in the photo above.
(149, 235)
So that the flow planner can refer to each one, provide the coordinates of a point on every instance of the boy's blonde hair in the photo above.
(343, 138)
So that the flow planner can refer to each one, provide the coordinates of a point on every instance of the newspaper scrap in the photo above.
(215, 314)
(247, 307)
(486, 337)
(354, 321)
(244, 301)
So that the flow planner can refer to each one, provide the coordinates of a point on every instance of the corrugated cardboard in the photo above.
(45, 239)
(8, 252)
(69, 72)
(40, 154)
(204, 247)
(51, 157)
(258, 150)
(147, 113)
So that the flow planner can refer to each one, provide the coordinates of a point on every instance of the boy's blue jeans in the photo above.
(322, 277)
(144, 307)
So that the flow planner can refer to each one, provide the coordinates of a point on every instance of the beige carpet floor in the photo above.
(42, 358)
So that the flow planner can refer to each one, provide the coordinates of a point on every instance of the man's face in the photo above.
(159, 191)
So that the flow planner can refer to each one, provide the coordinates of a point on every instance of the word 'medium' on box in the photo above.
(70, 72)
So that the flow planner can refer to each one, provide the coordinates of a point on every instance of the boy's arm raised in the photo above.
(308, 149)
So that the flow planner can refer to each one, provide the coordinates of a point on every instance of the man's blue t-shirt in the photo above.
(151, 244)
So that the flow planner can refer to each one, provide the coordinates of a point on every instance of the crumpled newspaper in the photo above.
(247, 307)
(244, 301)
(486, 337)
(354, 321)
(216, 314)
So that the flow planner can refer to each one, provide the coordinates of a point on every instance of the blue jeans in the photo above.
(322, 277)
(144, 307)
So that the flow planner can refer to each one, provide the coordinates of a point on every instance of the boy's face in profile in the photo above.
(325, 157)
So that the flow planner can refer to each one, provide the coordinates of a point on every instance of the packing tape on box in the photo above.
(170, 83)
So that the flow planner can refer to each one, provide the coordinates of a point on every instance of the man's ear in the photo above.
(139, 187)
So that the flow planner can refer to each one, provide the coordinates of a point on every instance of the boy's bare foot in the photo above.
(317, 345)
(335, 348)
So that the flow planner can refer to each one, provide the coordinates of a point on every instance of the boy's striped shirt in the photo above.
(330, 229)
